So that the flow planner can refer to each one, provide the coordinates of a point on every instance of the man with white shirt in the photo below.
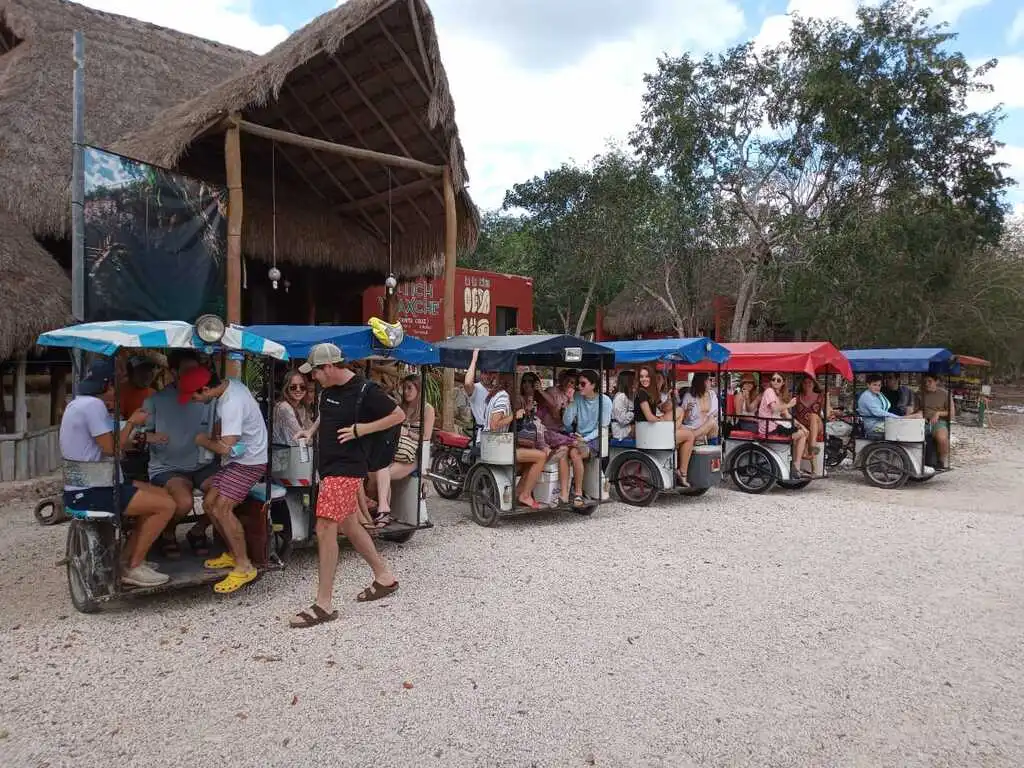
(477, 392)
(242, 447)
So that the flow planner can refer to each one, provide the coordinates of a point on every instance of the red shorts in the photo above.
(338, 498)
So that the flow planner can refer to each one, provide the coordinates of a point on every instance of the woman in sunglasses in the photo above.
(776, 400)
(292, 414)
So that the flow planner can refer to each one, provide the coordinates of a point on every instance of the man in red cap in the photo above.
(242, 446)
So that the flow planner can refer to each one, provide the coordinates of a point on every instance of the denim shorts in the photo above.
(98, 499)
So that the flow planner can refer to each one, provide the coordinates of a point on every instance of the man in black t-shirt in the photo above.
(351, 409)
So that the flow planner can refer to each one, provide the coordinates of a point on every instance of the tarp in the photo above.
(106, 338)
(692, 350)
(503, 353)
(356, 342)
(905, 360)
(810, 357)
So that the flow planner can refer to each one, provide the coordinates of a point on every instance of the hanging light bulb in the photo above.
(391, 283)
(274, 274)
(287, 285)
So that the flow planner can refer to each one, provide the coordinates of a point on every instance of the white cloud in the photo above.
(1005, 80)
(1016, 32)
(1013, 156)
(225, 21)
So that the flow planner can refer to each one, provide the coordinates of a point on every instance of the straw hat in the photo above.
(748, 378)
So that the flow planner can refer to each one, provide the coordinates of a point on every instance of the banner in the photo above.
(155, 242)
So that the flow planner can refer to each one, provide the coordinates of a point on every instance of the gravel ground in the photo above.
(838, 625)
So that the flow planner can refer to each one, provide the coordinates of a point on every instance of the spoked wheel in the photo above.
(885, 466)
(636, 479)
(91, 560)
(794, 485)
(51, 512)
(484, 498)
(399, 537)
(835, 452)
(281, 530)
(446, 464)
(923, 478)
(753, 470)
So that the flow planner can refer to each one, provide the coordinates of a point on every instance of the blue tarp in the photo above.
(694, 350)
(503, 353)
(356, 342)
(908, 360)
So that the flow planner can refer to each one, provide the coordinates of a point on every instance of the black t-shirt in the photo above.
(638, 412)
(338, 410)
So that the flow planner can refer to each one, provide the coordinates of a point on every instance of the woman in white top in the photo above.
(500, 414)
(622, 406)
(700, 408)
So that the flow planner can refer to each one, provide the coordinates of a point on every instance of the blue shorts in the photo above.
(196, 477)
(98, 499)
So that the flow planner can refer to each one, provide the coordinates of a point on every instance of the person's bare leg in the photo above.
(534, 459)
(577, 470)
(223, 515)
(362, 542)
(400, 471)
(563, 478)
(799, 445)
(327, 560)
(383, 480)
(685, 438)
(813, 433)
(153, 509)
(942, 445)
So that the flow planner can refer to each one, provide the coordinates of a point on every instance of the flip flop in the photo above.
(376, 591)
(234, 581)
(531, 504)
(578, 501)
(227, 560)
(312, 617)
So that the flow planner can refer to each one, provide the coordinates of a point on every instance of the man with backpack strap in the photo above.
(351, 410)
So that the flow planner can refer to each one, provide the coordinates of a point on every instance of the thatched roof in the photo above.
(634, 311)
(133, 71)
(36, 292)
(367, 74)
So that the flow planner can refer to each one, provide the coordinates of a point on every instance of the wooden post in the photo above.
(21, 421)
(233, 161)
(58, 392)
(450, 240)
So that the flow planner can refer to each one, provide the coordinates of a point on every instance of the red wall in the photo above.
(477, 297)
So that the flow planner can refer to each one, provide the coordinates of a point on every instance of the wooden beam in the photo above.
(376, 112)
(397, 92)
(352, 166)
(21, 471)
(398, 193)
(450, 243)
(415, 16)
(358, 134)
(233, 170)
(319, 145)
(401, 52)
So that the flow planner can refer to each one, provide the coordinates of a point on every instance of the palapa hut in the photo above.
(367, 75)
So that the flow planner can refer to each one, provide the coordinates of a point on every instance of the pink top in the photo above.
(553, 420)
(769, 400)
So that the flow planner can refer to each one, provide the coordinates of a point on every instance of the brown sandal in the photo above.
(311, 618)
(376, 591)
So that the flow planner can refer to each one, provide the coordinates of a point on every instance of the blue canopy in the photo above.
(106, 338)
(694, 350)
(356, 342)
(504, 353)
(909, 360)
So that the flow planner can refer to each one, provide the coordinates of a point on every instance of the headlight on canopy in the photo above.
(210, 329)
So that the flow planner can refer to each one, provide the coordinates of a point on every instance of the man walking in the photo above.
(351, 409)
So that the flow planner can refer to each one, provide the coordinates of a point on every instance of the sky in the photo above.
(540, 82)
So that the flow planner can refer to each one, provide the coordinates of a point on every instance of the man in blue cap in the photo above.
(87, 438)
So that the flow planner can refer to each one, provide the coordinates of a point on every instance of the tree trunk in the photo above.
(744, 302)
(586, 307)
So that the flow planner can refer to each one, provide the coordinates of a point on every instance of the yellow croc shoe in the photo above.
(227, 560)
(234, 581)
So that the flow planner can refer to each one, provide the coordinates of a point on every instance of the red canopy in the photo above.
(976, 362)
(810, 357)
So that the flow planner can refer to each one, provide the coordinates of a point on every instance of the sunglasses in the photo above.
(777, 378)
(297, 387)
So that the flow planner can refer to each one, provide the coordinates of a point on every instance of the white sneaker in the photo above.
(144, 576)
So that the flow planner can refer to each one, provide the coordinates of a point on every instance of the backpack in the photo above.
(379, 445)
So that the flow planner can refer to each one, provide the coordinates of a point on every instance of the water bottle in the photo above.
(303, 450)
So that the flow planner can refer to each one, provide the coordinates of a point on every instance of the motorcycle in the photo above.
(451, 459)
(839, 439)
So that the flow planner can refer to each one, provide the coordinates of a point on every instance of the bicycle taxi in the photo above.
(904, 450)
(491, 481)
(757, 460)
(293, 467)
(642, 467)
(96, 538)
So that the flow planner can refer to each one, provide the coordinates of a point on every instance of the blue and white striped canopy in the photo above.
(107, 338)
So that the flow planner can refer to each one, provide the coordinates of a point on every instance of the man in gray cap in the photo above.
(351, 409)
(87, 438)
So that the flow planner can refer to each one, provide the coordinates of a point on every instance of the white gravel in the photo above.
(838, 625)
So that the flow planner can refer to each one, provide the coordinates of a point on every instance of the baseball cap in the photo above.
(321, 354)
(97, 377)
(191, 381)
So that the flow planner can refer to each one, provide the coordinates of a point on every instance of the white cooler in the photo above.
(904, 430)
(656, 435)
(546, 491)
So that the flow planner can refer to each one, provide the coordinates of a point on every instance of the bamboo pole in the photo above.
(338, 149)
(450, 241)
(233, 162)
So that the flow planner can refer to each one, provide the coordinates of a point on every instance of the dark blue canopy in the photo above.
(909, 360)
(504, 353)
(356, 342)
(694, 350)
